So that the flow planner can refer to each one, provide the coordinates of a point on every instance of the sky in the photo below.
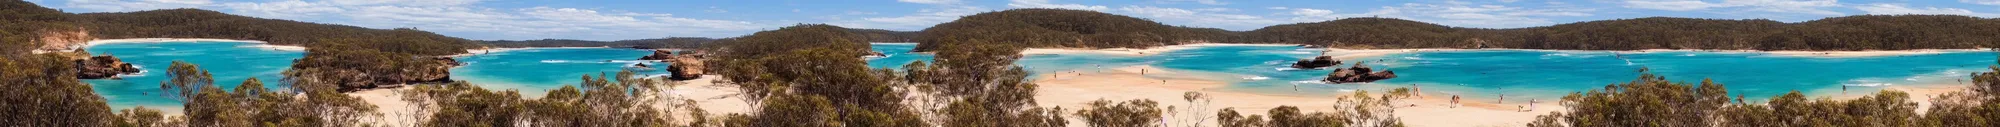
(643, 19)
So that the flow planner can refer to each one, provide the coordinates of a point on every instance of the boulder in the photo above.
(1358, 73)
(1315, 62)
(659, 55)
(106, 66)
(874, 54)
(641, 65)
(686, 68)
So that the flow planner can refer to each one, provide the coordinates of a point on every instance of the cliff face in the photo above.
(63, 40)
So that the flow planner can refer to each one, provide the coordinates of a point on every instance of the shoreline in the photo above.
(1069, 89)
(1348, 53)
(1134, 51)
(259, 44)
(483, 51)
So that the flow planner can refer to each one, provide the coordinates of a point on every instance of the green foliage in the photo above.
(461, 104)
(1650, 100)
(142, 117)
(354, 67)
(1133, 113)
(196, 23)
(41, 90)
(1229, 118)
(306, 103)
(1058, 28)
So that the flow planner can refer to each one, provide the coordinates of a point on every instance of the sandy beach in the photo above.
(260, 44)
(1075, 90)
(1133, 51)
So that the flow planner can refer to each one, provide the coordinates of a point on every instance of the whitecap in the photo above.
(1413, 58)
(1256, 77)
(555, 61)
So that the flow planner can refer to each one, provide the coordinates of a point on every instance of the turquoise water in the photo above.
(1542, 74)
(895, 55)
(537, 70)
(229, 62)
(1261, 69)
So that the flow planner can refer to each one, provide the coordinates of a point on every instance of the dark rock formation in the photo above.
(641, 65)
(685, 68)
(106, 66)
(659, 55)
(876, 54)
(1316, 62)
(1359, 73)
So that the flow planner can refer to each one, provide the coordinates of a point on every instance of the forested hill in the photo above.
(1058, 28)
(196, 23)
(21, 23)
(870, 35)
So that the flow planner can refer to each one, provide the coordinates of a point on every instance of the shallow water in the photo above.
(228, 62)
(537, 70)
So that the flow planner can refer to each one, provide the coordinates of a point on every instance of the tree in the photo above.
(1132, 113)
(41, 90)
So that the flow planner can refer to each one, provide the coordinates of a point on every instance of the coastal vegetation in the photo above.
(1060, 28)
(1652, 100)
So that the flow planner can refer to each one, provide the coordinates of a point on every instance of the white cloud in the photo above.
(402, 2)
(930, 1)
(1983, 2)
(1776, 6)
(1463, 15)
(283, 9)
(1277, 8)
(1046, 4)
(1893, 9)
(141, 5)
(1208, 2)
(924, 18)
(1199, 17)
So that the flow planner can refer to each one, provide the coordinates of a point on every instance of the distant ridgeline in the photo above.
(1088, 29)
(355, 56)
(870, 35)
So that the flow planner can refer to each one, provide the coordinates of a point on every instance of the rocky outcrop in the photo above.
(659, 54)
(106, 66)
(1359, 73)
(1316, 62)
(641, 65)
(875, 54)
(685, 68)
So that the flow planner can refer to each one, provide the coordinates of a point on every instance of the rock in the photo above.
(106, 66)
(1316, 62)
(641, 65)
(874, 54)
(686, 68)
(659, 55)
(1360, 72)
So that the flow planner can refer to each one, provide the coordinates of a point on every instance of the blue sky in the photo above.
(640, 19)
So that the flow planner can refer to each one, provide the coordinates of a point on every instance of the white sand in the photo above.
(1073, 90)
(1132, 51)
(260, 44)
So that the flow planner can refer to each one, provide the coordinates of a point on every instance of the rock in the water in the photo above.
(874, 54)
(106, 66)
(1315, 62)
(659, 55)
(641, 65)
(1358, 73)
(686, 68)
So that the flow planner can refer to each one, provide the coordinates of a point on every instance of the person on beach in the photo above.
(1531, 104)
(1503, 99)
(1454, 101)
(1420, 90)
